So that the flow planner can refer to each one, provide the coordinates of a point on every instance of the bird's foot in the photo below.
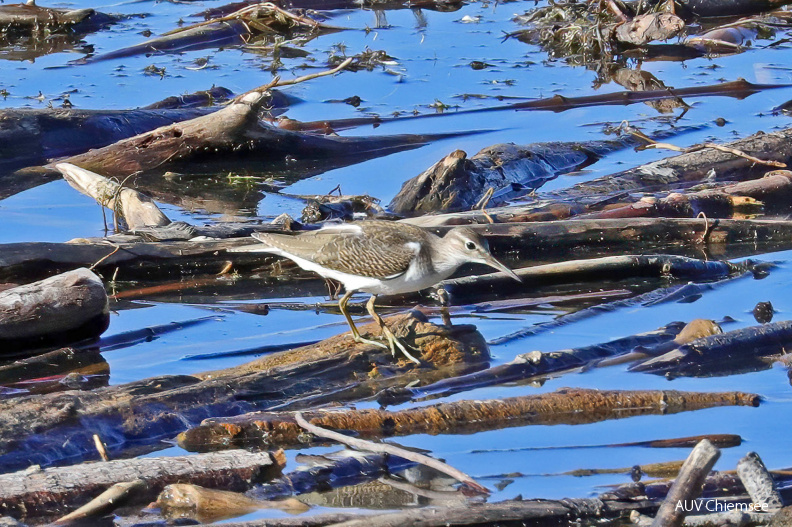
(363, 340)
(394, 343)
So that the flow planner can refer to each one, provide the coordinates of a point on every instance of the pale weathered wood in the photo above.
(61, 309)
(759, 483)
(135, 209)
(61, 489)
(687, 485)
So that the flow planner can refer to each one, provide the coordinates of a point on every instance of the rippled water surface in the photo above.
(431, 54)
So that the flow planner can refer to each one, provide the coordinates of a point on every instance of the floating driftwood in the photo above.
(567, 406)
(558, 103)
(61, 489)
(522, 512)
(717, 353)
(687, 485)
(33, 136)
(29, 17)
(131, 209)
(37, 259)
(759, 483)
(662, 175)
(235, 132)
(53, 363)
(240, 27)
(59, 310)
(49, 428)
(708, 8)
(608, 267)
(184, 500)
(535, 363)
(457, 183)
(549, 240)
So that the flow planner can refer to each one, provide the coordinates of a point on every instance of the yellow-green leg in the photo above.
(389, 336)
(342, 305)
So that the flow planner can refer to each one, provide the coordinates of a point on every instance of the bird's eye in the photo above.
(470, 246)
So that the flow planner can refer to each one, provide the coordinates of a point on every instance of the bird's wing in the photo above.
(375, 253)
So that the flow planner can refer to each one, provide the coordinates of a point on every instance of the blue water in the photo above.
(431, 53)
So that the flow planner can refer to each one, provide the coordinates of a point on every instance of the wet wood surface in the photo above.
(138, 414)
(53, 490)
(566, 406)
(64, 308)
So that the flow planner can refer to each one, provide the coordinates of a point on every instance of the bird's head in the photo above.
(468, 246)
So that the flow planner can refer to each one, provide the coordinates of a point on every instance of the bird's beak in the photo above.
(492, 262)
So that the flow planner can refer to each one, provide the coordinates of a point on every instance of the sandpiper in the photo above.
(380, 257)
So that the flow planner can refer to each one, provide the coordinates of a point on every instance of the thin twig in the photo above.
(103, 258)
(740, 153)
(276, 82)
(696, 148)
(386, 448)
(106, 502)
(100, 447)
(707, 229)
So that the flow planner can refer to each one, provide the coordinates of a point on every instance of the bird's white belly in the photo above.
(411, 280)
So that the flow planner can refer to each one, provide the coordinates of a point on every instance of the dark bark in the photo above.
(32, 18)
(566, 406)
(532, 364)
(30, 137)
(52, 428)
(673, 172)
(229, 135)
(56, 311)
(725, 8)
(719, 354)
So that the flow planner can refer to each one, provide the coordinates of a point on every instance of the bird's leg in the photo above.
(342, 305)
(389, 336)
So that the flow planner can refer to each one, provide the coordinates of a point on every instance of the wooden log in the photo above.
(518, 512)
(54, 362)
(29, 17)
(535, 363)
(248, 24)
(338, 469)
(184, 500)
(567, 406)
(61, 489)
(671, 172)
(134, 260)
(708, 355)
(687, 485)
(33, 136)
(759, 483)
(234, 132)
(606, 268)
(134, 209)
(718, 8)
(549, 240)
(531, 364)
(59, 310)
(49, 428)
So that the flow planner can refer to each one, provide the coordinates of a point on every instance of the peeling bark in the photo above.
(566, 406)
